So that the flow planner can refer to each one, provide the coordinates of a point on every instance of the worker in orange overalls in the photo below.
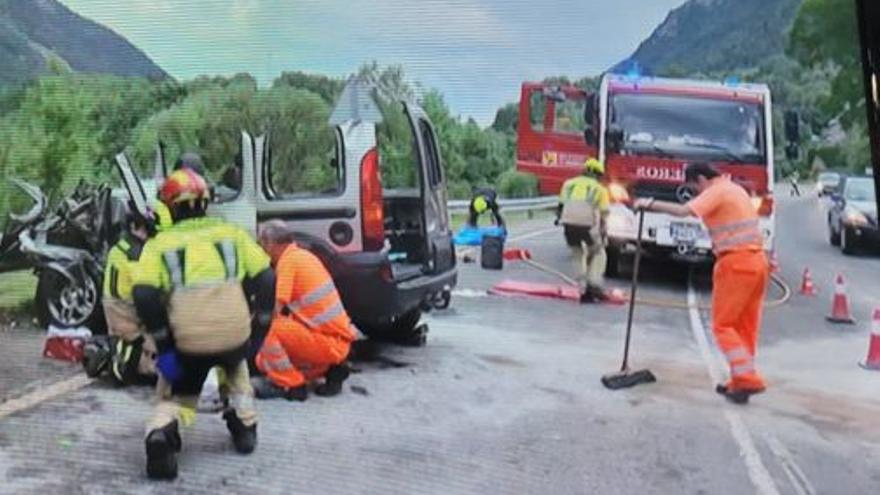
(311, 334)
(740, 275)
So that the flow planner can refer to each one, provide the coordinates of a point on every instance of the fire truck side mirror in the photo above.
(614, 137)
(590, 136)
(590, 120)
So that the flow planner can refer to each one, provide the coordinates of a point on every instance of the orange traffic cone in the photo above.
(873, 360)
(807, 287)
(840, 304)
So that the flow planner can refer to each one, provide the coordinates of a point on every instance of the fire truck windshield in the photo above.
(689, 127)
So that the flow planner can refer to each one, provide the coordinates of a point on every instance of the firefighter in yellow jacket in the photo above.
(129, 353)
(583, 210)
(193, 291)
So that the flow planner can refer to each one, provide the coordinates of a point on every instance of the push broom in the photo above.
(626, 378)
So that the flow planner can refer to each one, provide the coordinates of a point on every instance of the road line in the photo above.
(34, 398)
(755, 467)
(795, 474)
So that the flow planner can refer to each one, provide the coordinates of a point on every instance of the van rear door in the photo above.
(440, 255)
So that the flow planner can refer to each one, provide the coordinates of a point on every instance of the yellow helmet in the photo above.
(480, 204)
(595, 166)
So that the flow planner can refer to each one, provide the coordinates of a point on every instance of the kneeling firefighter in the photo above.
(129, 353)
(192, 290)
(311, 334)
(583, 210)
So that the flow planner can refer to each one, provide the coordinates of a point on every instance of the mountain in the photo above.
(34, 34)
(716, 36)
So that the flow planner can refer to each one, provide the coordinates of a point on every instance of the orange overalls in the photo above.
(739, 278)
(310, 330)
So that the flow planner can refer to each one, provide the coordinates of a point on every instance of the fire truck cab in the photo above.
(647, 130)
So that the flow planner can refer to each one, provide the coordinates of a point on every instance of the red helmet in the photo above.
(183, 186)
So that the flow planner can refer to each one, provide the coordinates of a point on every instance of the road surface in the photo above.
(505, 398)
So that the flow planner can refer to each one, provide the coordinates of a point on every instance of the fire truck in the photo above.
(647, 130)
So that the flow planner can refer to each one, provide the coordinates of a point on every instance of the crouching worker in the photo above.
(484, 199)
(311, 334)
(130, 352)
(192, 291)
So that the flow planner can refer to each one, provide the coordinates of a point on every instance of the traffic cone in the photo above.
(872, 362)
(840, 304)
(807, 287)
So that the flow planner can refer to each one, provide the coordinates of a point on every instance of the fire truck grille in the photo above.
(663, 192)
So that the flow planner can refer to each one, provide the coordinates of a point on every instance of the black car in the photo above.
(852, 218)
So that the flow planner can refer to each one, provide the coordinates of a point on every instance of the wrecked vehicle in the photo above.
(65, 247)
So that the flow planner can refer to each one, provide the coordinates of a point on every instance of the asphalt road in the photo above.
(505, 398)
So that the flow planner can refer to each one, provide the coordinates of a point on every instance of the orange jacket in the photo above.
(305, 295)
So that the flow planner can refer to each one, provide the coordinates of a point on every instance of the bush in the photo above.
(459, 190)
(514, 184)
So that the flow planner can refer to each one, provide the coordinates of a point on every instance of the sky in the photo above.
(476, 52)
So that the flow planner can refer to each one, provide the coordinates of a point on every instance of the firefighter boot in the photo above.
(265, 389)
(333, 380)
(97, 354)
(163, 444)
(244, 438)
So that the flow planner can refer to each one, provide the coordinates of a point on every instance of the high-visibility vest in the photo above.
(313, 300)
(119, 311)
(732, 236)
(583, 199)
(200, 264)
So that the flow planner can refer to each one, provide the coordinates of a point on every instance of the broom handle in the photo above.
(633, 290)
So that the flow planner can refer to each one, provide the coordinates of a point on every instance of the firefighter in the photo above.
(311, 334)
(134, 350)
(128, 352)
(583, 210)
(740, 274)
(484, 199)
(192, 291)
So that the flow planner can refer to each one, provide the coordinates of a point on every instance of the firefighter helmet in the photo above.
(595, 166)
(480, 204)
(184, 186)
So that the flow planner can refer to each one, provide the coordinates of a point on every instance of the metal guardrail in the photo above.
(525, 204)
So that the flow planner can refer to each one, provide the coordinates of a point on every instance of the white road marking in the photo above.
(757, 471)
(34, 398)
(795, 474)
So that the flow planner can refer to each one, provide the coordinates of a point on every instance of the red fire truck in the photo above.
(646, 130)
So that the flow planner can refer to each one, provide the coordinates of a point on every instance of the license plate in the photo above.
(684, 232)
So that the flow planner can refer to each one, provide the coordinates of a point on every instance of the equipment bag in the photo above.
(492, 252)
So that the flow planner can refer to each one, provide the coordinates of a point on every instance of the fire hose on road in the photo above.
(665, 303)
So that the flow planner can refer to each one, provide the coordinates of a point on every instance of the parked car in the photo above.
(827, 182)
(852, 218)
(389, 249)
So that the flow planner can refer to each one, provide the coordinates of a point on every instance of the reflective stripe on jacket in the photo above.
(726, 209)
(583, 199)
(306, 294)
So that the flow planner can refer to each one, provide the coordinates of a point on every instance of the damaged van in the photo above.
(370, 203)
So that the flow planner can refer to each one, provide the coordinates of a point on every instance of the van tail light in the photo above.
(763, 204)
(372, 215)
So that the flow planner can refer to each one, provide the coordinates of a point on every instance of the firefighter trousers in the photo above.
(590, 258)
(739, 285)
(293, 355)
(178, 401)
